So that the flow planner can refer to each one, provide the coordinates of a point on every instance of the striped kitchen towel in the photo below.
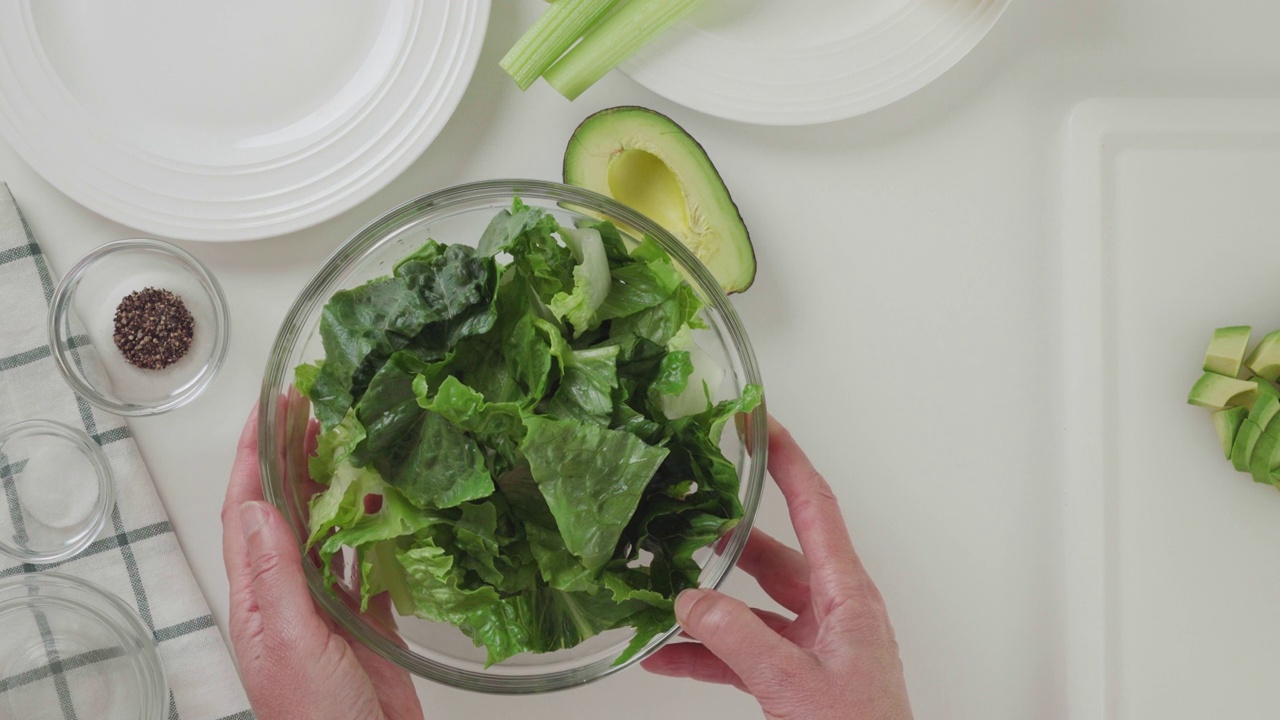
(137, 557)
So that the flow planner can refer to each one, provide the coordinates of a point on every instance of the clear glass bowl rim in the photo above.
(276, 380)
(106, 488)
(119, 618)
(60, 305)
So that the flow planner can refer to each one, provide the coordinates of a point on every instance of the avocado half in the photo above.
(646, 161)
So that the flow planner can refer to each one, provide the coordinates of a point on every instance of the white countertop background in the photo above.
(905, 316)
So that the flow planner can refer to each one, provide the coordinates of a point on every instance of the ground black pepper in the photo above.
(153, 328)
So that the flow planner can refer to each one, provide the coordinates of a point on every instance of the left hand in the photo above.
(294, 661)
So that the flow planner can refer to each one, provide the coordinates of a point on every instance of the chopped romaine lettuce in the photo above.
(505, 430)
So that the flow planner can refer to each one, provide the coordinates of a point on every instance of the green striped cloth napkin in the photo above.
(137, 557)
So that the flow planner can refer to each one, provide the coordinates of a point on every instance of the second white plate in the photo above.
(234, 120)
(805, 62)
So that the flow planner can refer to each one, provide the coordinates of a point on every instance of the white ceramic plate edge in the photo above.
(65, 180)
(664, 79)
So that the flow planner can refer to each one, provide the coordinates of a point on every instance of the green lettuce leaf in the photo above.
(359, 329)
(586, 386)
(443, 468)
(498, 426)
(543, 619)
(592, 479)
(512, 362)
(389, 412)
(458, 287)
(591, 281)
(528, 235)
(381, 572)
(304, 377)
(438, 585)
(396, 518)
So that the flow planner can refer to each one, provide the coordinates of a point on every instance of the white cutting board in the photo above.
(1171, 228)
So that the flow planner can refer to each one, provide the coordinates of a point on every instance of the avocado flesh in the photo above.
(1227, 424)
(1246, 440)
(646, 161)
(1216, 392)
(1226, 350)
(1264, 361)
(1260, 417)
(641, 180)
(1266, 455)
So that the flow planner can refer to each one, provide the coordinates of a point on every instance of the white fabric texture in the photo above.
(137, 557)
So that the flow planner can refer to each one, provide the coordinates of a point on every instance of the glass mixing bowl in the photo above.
(459, 215)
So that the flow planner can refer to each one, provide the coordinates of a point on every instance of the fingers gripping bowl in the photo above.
(532, 514)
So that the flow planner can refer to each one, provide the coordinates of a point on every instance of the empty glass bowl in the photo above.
(58, 487)
(68, 648)
(82, 326)
(459, 215)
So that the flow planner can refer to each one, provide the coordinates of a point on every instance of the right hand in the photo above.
(837, 659)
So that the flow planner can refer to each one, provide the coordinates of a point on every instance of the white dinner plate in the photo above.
(235, 119)
(803, 62)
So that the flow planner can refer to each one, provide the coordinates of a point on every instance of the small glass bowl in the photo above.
(82, 329)
(67, 642)
(58, 487)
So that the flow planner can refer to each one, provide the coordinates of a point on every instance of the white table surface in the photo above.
(905, 316)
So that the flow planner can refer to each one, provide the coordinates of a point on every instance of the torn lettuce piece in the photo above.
(586, 386)
(592, 479)
(687, 379)
(496, 426)
(360, 328)
(591, 280)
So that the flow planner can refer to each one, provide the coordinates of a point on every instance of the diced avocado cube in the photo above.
(1265, 387)
(1216, 392)
(1227, 422)
(1226, 350)
(1259, 418)
(1246, 440)
(1264, 409)
(1266, 454)
(1264, 361)
(1264, 457)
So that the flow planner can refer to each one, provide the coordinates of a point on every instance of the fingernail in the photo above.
(685, 602)
(253, 515)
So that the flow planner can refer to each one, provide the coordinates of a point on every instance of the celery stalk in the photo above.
(556, 30)
(614, 40)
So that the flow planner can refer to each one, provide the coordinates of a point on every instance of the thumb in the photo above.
(728, 628)
(285, 609)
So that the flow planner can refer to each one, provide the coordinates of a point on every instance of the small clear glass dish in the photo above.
(82, 327)
(69, 648)
(58, 487)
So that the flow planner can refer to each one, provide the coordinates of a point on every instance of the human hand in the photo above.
(837, 659)
(294, 661)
